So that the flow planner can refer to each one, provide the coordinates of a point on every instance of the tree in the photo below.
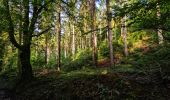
(109, 27)
(20, 37)
(124, 34)
(73, 38)
(159, 30)
(1, 50)
(28, 28)
(93, 28)
(47, 49)
(2, 42)
(124, 30)
(58, 34)
(148, 15)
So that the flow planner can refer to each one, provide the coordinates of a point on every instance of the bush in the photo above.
(38, 61)
(157, 58)
(104, 49)
(82, 59)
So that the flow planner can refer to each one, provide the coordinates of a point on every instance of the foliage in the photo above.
(132, 75)
(8, 78)
(143, 15)
(38, 61)
(91, 84)
(82, 59)
(104, 49)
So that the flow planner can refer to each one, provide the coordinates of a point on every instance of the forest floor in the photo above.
(137, 77)
(93, 84)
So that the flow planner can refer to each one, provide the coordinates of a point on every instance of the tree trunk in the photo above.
(26, 68)
(59, 42)
(159, 30)
(109, 19)
(19, 61)
(124, 35)
(115, 33)
(94, 36)
(20, 40)
(73, 40)
(2, 46)
(47, 50)
(65, 50)
(93, 28)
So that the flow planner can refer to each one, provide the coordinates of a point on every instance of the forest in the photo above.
(84, 49)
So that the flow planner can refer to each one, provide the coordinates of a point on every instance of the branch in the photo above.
(94, 30)
(42, 32)
(10, 25)
(34, 18)
(65, 3)
(36, 12)
(43, 6)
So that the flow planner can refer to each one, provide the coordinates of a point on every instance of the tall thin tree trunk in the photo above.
(124, 35)
(94, 35)
(20, 40)
(159, 30)
(59, 41)
(109, 19)
(1, 51)
(19, 61)
(73, 40)
(115, 35)
(65, 50)
(47, 50)
(69, 41)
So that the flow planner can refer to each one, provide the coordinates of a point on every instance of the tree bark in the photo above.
(59, 42)
(124, 35)
(47, 50)
(109, 19)
(94, 36)
(2, 46)
(20, 40)
(26, 68)
(28, 28)
(159, 30)
(73, 40)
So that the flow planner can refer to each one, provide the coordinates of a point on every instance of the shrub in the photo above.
(104, 49)
(37, 61)
(82, 59)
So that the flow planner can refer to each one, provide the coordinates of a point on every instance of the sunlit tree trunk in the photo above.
(93, 28)
(47, 49)
(124, 35)
(65, 49)
(70, 40)
(59, 41)
(115, 34)
(109, 26)
(159, 30)
(73, 40)
(83, 8)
